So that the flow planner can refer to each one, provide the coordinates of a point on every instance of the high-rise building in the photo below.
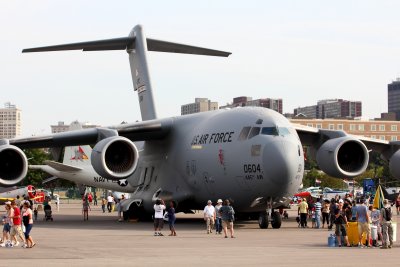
(10, 121)
(331, 108)
(199, 105)
(62, 127)
(241, 101)
(394, 97)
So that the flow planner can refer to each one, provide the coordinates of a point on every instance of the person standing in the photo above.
(171, 218)
(85, 209)
(120, 209)
(16, 228)
(398, 205)
(7, 225)
(159, 208)
(375, 226)
(218, 219)
(228, 216)
(303, 211)
(363, 223)
(325, 213)
(209, 216)
(387, 227)
(318, 207)
(340, 228)
(103, 204)
(95, 199)
(110, 201)
(28, 223)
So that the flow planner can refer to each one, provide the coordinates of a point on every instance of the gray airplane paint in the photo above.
(250, 155)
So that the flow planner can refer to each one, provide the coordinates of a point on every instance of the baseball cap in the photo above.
(8, 203)
(219, 201)
(209, 202)
(340, 200)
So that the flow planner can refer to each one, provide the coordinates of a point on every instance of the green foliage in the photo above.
(35, 157)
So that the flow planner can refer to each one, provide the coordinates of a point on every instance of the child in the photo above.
(35, 213)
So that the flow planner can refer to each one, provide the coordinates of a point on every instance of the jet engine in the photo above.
(343, 157)
(394, 164)
(13, 165)
(115, 157)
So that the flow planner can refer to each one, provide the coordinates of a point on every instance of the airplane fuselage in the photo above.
(250, 155)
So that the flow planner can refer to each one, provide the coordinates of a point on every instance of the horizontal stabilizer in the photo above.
(129, 42)
(62, 167)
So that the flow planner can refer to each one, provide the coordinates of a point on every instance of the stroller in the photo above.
(47, 213)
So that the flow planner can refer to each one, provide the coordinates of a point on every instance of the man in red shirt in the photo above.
(16, 228)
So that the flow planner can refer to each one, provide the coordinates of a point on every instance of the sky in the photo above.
(300, 51)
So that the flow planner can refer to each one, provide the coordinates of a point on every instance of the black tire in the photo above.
(276, 221)
(263, 220)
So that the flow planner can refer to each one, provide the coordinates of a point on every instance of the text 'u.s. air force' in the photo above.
(202, 139)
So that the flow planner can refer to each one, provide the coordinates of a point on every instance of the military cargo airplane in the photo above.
(76, 167)
(251, 155)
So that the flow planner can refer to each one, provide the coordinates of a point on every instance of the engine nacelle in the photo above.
(343, 157)
(13, 165)
(115, 157)
(394, 164)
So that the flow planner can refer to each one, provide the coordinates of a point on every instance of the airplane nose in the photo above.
(281, 163)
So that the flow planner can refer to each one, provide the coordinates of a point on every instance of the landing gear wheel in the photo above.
(263, 220)
(276, 220)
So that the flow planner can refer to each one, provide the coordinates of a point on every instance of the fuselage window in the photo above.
(244, 133)
(254, 131)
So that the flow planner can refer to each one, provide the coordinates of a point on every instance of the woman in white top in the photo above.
(7, 224)
(28, 223)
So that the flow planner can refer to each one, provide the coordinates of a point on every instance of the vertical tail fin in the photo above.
(77, 155)
(137, 45)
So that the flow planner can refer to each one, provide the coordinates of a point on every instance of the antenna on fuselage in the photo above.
(137, 45)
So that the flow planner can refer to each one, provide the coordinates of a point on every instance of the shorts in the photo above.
(6, 228)
(340, 230)
(158, 222)
(227, 224)
(364, 228)
(16, 230)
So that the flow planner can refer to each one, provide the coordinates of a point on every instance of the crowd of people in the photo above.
(341, 214)
(218, 218)
(17, 223)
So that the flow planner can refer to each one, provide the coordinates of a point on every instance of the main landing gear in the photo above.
(264, 220)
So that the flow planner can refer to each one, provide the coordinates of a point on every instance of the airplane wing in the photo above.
(342, 155)
(139, 131)
(314, 137)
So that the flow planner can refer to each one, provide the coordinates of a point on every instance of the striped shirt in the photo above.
(318, 207)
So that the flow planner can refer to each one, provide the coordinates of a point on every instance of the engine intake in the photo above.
(343, 157)
(115, 157)
(13, 165)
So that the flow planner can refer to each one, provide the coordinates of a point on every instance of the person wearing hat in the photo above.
(387, 227)
(209, 216)
(6, 224)
(303, 211)
(218, 218)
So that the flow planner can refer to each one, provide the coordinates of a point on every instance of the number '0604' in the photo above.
(251, 168)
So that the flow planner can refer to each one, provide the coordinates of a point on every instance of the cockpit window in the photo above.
(254, 131)
(244, 133)
(270, 131)
(275, 131)
(283, 131)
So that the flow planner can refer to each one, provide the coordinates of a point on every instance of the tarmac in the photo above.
(103, 241)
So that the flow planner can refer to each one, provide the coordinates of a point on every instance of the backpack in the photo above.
(388, 214)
